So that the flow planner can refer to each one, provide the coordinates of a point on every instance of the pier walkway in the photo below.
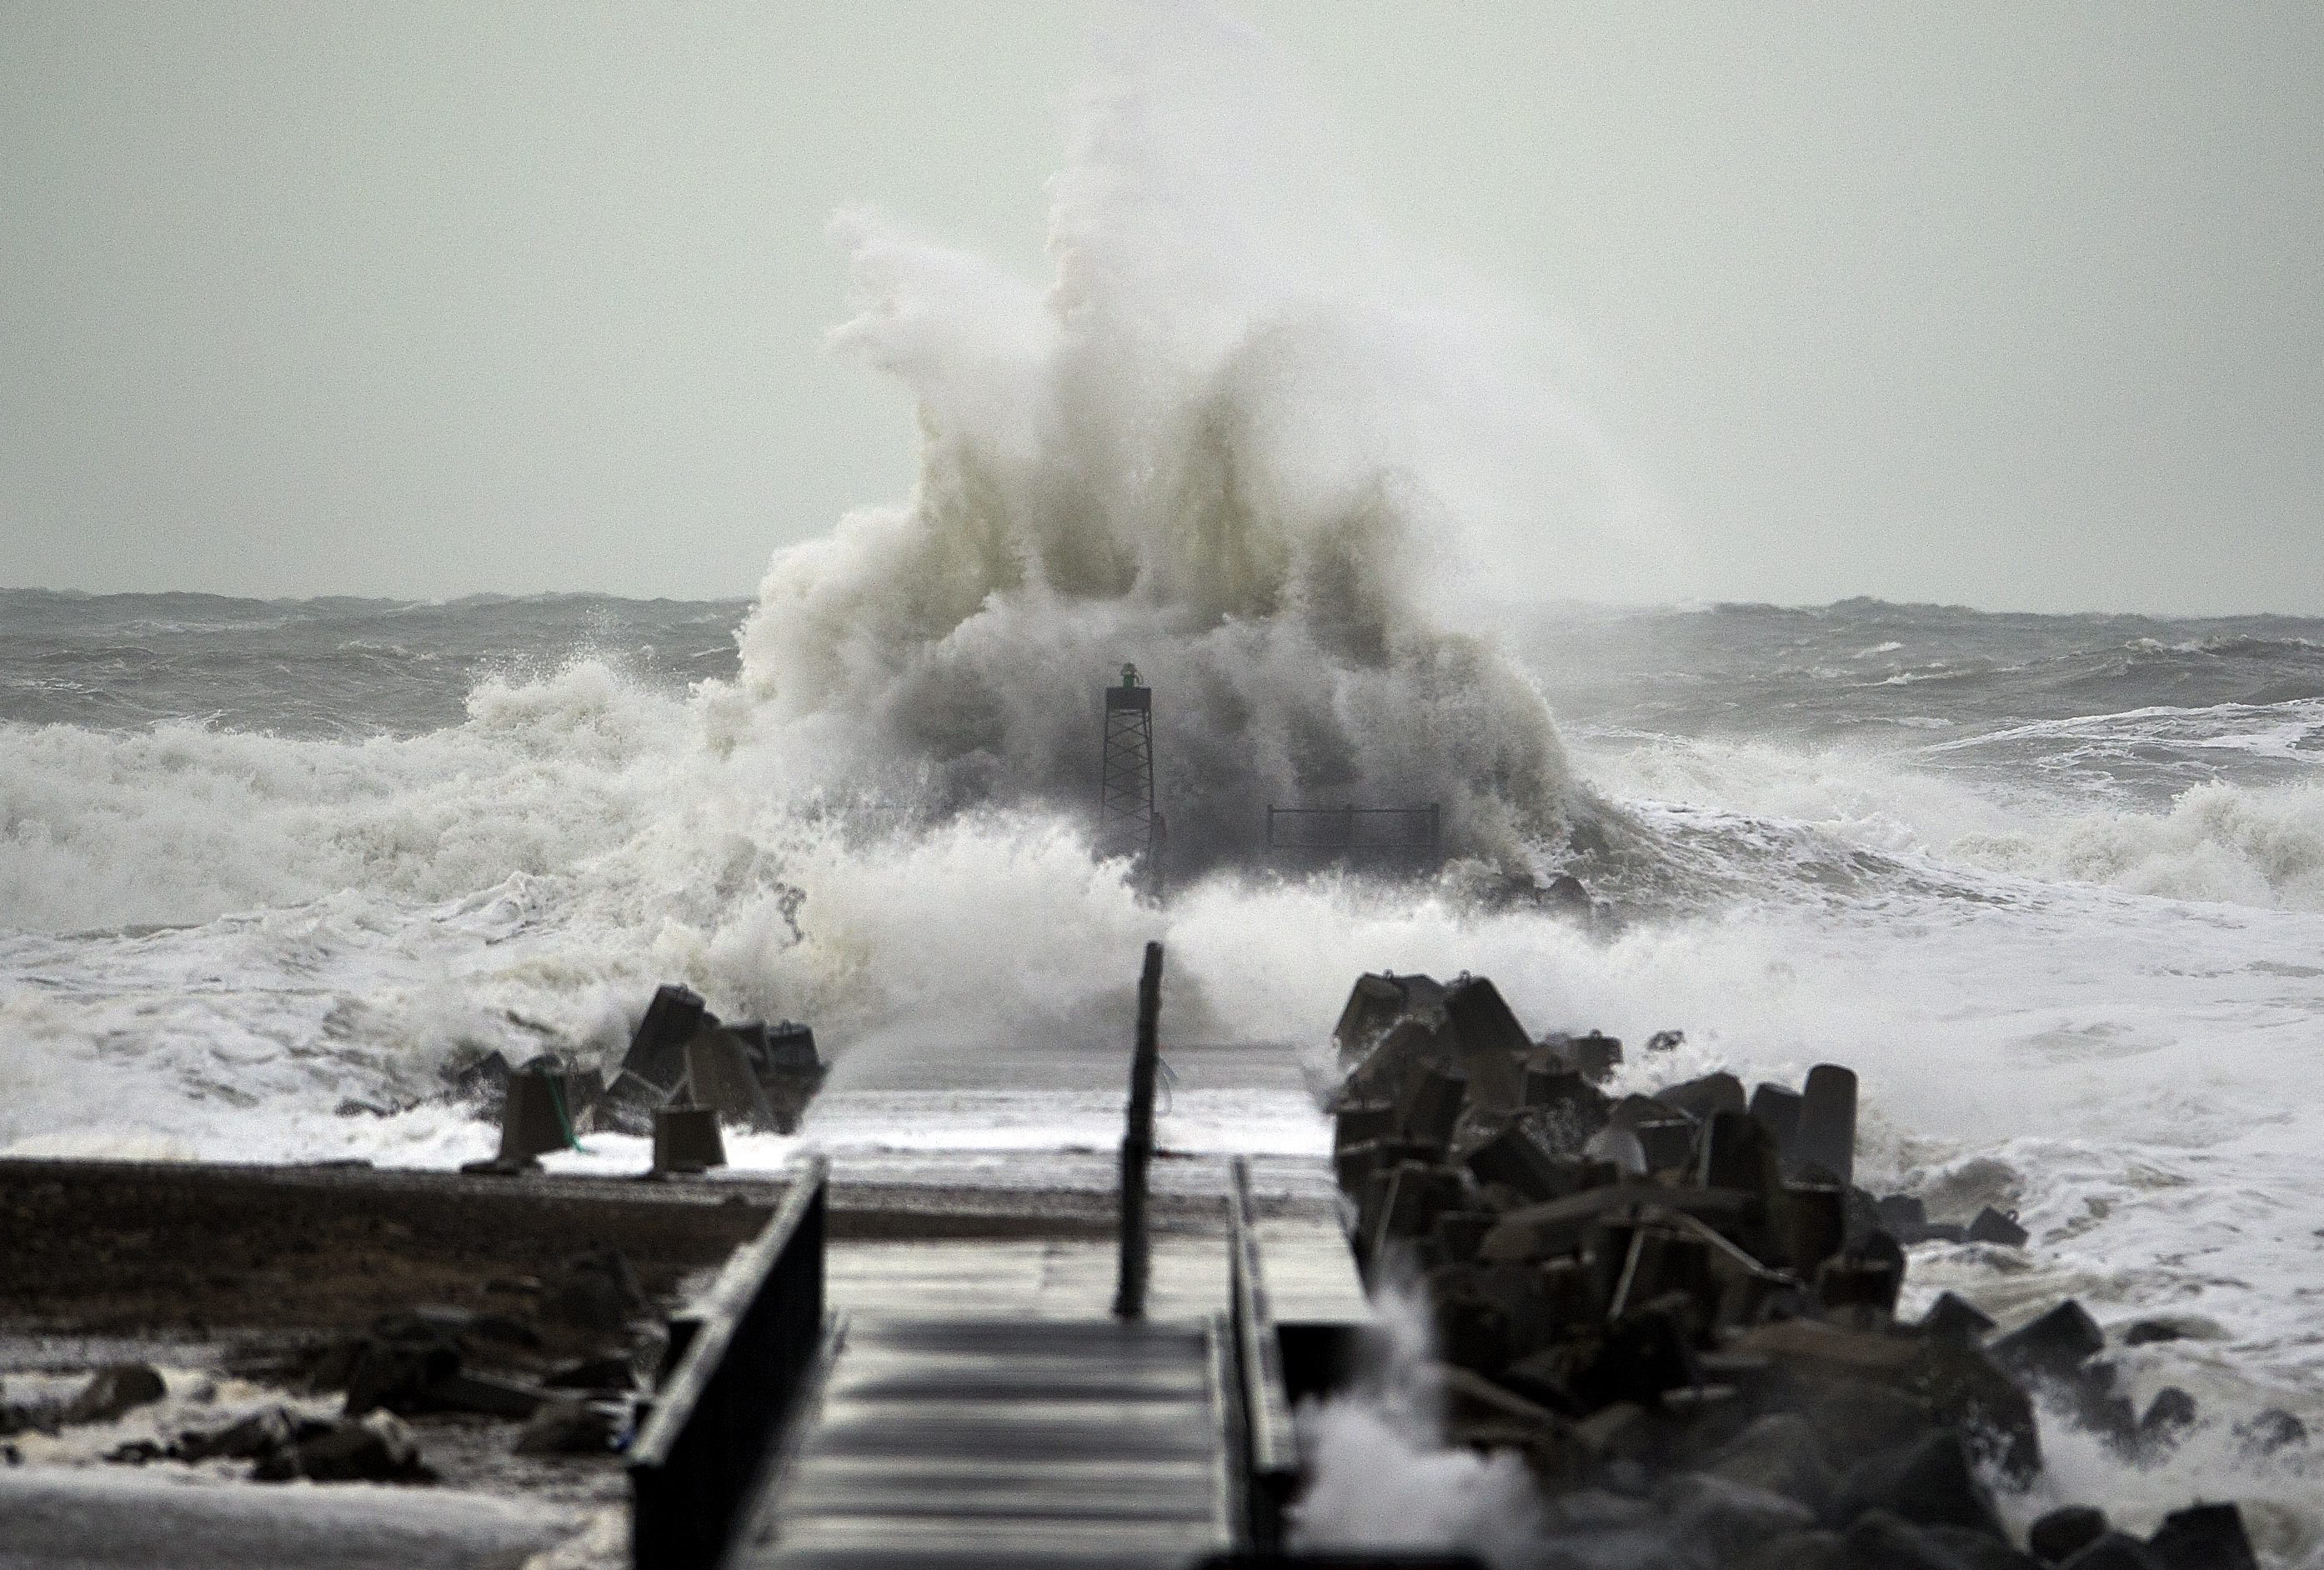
(948, 1444)
(931, 1375)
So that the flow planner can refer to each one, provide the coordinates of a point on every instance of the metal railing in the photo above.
(743, 1351)
(1270, 1443)
(1137, 1143)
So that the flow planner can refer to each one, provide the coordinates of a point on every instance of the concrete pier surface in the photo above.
(964, 1188)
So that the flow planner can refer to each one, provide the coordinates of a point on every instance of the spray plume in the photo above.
(1234, 441)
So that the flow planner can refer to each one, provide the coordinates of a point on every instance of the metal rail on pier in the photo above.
(743, 1351)
(1270, 1445)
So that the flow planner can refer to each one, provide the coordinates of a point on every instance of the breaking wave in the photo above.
(2250, 844)
(1234, 441)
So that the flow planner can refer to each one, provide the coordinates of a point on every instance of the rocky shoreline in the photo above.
(1681, 1311)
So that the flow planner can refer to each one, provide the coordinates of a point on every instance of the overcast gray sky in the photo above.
(2015, 305)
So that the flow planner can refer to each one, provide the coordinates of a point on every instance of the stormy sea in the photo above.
(2052, 885)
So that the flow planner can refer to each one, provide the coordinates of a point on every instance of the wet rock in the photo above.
(394, 1372)
(1618, 1148)
(1736, 1153)
(1812, 1551)
(2269, 1430)
(606, 1371)
(1997, 1227)
(1557, 1225)
(1861, 1284)
(2168, 1418)
(2141, 1332)
(1929, 1483)
(1492, 1046)
(1968, 1389)
(593, 1291)
(484, 1394)
(1826, 1134)
(1411, 1047)
(720, 1074)
(1415, 1195)
(1471, 1331)
(657, 1053)
(1880, 1539)
(135, 1453)
(1699, 1098)
(1626, 1430)
(1376, 1003)
(259, 1434)
(375, 1448)
(114, 1391)
(1862, 1216)
(1778, 1110)
(567, 1425)
(1430, 1107)
(1666, 1144)
(1594, 1056)
(1809, 1226)
(2054, 1346)
(2112, 1550)
(1643, 1353)
(1780, 1454)
(2065, 1532)
(1361, 1123)
(1974, 1550)
(1868, 1391)
(1515, 1159)
(1357, 1164)
(481, 1082)
(1903, 1215)
(1559, 1087)
(1953, 1318)
(1721, 1520)
(2202, 1537)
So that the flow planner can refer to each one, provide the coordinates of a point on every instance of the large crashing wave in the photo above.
(1233, 442)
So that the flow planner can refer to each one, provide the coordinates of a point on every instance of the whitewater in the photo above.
(2054, 885)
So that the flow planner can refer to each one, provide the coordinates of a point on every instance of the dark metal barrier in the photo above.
(744, 1349)
(1137, 1143)
(1273, 1462)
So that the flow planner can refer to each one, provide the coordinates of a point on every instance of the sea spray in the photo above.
(1381, 1476)
(1232, 443)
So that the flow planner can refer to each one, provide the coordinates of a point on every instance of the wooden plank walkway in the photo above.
(958, 1443)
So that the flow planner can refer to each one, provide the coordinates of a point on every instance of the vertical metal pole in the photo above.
(1137, 1141)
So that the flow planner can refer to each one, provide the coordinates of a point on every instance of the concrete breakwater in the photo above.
(1682, 1311)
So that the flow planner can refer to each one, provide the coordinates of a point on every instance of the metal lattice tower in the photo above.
(1127, 823)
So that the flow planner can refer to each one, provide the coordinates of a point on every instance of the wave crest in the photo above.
(1231, 443)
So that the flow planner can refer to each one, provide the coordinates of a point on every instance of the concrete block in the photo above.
(1430, 1110)
(1699, 1098)
(720, 1074)
(2065, 1532)
(658, 1046)
(1779, 1109)
(2203, 1537)
(1491, 1045)
(1826, 1136)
